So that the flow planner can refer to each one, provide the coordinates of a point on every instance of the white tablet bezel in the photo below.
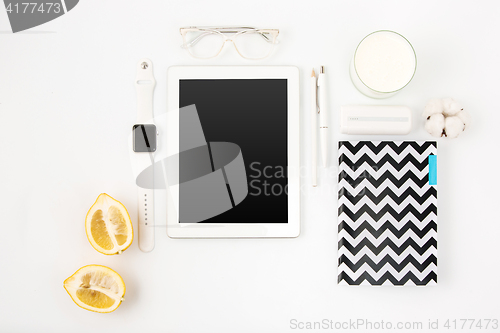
(237, 230)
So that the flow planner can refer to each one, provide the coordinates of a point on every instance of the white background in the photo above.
(67, 103)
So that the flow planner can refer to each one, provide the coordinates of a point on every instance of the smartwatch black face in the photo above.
(144, 138)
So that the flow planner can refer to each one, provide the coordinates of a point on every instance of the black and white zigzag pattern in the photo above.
(387, 214)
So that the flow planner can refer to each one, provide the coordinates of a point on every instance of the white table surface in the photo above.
(67, 102)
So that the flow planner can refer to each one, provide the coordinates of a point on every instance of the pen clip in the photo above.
(317, 100)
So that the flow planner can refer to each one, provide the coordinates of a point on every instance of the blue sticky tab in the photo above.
(432, 170)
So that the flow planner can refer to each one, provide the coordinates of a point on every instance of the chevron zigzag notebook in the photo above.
(387, 231)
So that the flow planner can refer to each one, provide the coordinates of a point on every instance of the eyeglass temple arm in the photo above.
(197, 39)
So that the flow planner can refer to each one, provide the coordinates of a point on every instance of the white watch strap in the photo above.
(146, 219)
(145, 85)
(145, 201)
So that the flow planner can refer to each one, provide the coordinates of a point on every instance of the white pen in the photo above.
(314, 113)
(323, 116)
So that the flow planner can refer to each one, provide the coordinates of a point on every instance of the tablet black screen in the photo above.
(244, 124)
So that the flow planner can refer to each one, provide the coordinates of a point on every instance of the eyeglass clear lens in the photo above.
(203, 44)
(254, 44)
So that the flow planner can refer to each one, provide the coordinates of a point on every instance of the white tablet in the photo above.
(233, 144)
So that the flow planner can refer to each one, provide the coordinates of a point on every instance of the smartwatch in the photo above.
(144, 144)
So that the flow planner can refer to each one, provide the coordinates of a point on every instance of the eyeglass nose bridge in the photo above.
(224, 44)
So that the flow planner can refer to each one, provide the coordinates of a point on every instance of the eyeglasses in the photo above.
(250, 43)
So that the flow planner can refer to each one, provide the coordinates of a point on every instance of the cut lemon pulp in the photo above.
(96, 288)
(108, 226)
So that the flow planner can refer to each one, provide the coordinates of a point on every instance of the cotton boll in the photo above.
(451, 107)
(445, 117)
(434, 106)
(453, 126)
(464, 116)
(435, 125)
(446, 102)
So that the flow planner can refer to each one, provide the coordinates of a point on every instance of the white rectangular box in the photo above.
(375, 119)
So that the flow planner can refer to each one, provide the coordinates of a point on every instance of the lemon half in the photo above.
(108, 226)
(96, 288)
